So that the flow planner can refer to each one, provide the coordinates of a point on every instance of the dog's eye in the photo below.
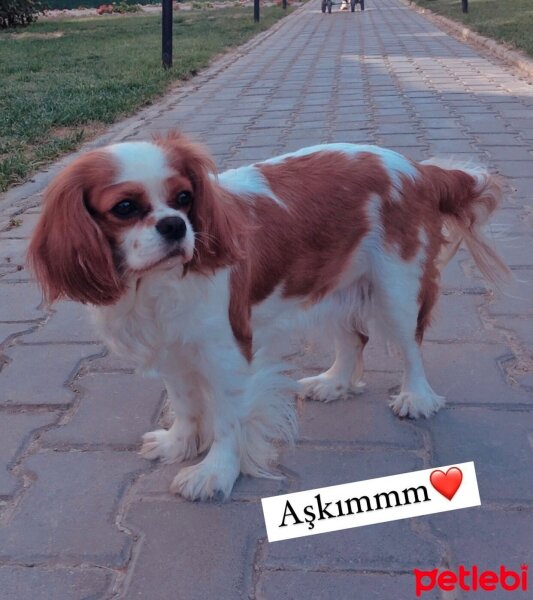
(125, 209)
(184, 199)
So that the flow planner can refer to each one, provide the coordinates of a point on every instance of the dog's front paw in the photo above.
(326, 389)
(409, 404)
(168, 446)
(205, 481)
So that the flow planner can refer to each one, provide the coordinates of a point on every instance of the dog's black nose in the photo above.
(172, 228)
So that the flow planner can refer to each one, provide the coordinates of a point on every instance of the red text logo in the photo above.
(471, 580)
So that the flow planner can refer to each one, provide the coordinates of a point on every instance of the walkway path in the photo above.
(93, 520)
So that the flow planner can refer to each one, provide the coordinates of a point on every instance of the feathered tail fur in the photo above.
(467, 198)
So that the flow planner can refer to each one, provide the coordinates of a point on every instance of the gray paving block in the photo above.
(22, 227)
(316, 467)
(51, 366)
(487, 537)
(361, 419)
(516, 296)
(182, 543)
(496, 440)
(114, 409)
(456, 318)
(15, 432)
(11, 329)
(19, 301)
(59, 583)
(470, 373)
(69, 511)
(13, 251)
(382, 547)
(295, 585)
(70, 322)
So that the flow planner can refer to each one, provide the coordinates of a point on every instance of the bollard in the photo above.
(166, 33)
(464, 4)
(256, 11)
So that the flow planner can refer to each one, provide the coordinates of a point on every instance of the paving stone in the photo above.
(520, 326)
(515, 297)
(456, 318)
(498, 139)
(514, 168)
(470, 373)
(383, 547)
(110, 363)
(324, 465)
(62, 583)
(24, 225)
(51, 366)
(15, 432)
(485, 537)
(514, 248)
(295, 585)
(226, 538)
(47, 524)
(445, 134)
(10, 329)
(13, 251)
(115, 409)
(365, 418)
(69, 323)
(20, 301)
(450, 147)
(496, 440)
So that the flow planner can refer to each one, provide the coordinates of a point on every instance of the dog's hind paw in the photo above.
(409, 404)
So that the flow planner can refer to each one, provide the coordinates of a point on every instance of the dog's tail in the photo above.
(467, 197)
(271, 418)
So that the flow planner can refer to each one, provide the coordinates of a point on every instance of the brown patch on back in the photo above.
(307, 245)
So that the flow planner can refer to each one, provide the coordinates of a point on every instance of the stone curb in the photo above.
(20, 198)
(515, 58)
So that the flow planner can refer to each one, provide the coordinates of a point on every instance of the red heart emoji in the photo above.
(447, 483)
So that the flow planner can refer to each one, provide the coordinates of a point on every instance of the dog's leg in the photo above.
(224, 375)
(344, 376)
(180, 442)
(397, 305)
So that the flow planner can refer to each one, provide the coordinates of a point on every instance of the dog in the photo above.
(198, 276)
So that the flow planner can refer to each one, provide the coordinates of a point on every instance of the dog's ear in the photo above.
(68, 254)
(216, 217)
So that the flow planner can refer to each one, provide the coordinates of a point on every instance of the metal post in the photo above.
(167, 33)
(284, 4)
(256, 11)
(464, 5)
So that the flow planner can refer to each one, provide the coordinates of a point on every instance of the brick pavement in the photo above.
(82, 516)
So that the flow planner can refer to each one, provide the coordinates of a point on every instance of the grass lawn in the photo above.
(62, 81)
(504, 20)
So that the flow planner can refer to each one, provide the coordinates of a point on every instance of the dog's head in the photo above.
(128, 209)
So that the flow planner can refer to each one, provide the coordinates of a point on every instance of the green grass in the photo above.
(62, 4)
(508, 21)
(55, 92)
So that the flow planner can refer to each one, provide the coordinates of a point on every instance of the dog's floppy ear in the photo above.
(68, 254)
(215, 216)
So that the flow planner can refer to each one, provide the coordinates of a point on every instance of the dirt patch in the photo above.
(36, 36)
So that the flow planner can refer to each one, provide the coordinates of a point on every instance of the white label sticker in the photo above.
(372, 501)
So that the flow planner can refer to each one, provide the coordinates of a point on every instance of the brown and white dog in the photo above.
(198, 276)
